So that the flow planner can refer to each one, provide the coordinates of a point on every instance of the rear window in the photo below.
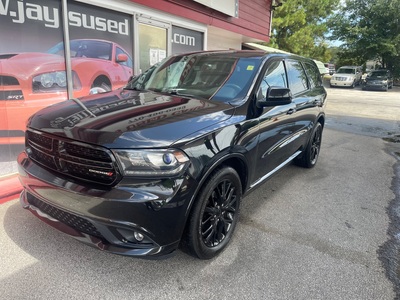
(313, 75)
(297, 77)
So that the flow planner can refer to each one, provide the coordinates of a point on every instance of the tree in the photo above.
(300, 27)
(370, 30)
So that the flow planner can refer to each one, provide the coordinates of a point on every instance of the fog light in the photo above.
(138, 236)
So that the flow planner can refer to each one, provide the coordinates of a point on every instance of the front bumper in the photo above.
(342, 83)
(108, 218)
(375, 86)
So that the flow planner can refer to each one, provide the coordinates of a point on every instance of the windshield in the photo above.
(85, 48)
(346, 71)
(217, 76)
(378, 74)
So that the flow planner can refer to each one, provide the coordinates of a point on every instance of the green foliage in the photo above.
(299, 26)
(370, 30)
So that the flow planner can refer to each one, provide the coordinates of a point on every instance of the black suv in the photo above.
(381, 79)
(165, 161)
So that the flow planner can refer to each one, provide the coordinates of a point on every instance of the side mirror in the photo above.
(122, 57)
(276, 95)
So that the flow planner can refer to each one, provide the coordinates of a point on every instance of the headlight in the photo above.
(47, 80)
(53, 82)
(61, 79)
(151, 163)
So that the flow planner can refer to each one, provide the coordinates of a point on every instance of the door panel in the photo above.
(285, 130)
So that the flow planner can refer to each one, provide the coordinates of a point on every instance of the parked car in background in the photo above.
(347, 76)
(330, 68)
(30, 81)
(378, 80)
(166, 160)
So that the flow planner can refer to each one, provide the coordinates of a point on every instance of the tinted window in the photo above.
(297, 77)
(223, 78)
(239, 81)
(313, 75)
(275, 76)
(346, 71)
(377, 74)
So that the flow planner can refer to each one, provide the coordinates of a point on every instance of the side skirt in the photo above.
(275, 170)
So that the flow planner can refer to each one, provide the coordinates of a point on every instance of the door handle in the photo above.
(291, 111)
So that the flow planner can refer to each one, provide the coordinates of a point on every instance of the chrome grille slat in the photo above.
(75, 159)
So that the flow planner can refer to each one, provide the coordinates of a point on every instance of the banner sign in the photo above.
(186, 40)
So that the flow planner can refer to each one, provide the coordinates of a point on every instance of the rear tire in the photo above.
(214, 216)
(310, 155)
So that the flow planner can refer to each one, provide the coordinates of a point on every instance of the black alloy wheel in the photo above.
(214, 215)
(310, 155)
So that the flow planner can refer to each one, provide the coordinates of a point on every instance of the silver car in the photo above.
(347, 76)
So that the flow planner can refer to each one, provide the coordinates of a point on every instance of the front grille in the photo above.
(69, 219)
(8, 80)
(10, 88)
(78, 160)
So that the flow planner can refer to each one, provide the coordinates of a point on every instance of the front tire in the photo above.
(100, 85)
(310, 155)
(214, 215)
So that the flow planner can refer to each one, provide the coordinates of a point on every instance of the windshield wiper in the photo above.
(178, 93)
(132, 88)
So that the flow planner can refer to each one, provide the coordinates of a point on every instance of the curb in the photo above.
(10, 187)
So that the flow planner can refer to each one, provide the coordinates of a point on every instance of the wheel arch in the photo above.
(236, 161)
(102, 79)
(321, 119)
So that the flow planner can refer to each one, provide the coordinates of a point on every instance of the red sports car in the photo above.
(31, 81)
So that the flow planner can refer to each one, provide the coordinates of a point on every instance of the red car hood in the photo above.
(30, 63)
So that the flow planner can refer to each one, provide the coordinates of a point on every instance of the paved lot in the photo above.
(325, 233)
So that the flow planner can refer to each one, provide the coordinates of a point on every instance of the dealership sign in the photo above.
(22, 11)
(30, 11)
(186, 40)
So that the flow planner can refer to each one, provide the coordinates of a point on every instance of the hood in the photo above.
(126, 119)
(344, 75)
(31, 63)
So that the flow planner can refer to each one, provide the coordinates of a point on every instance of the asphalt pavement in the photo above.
(323, 233)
